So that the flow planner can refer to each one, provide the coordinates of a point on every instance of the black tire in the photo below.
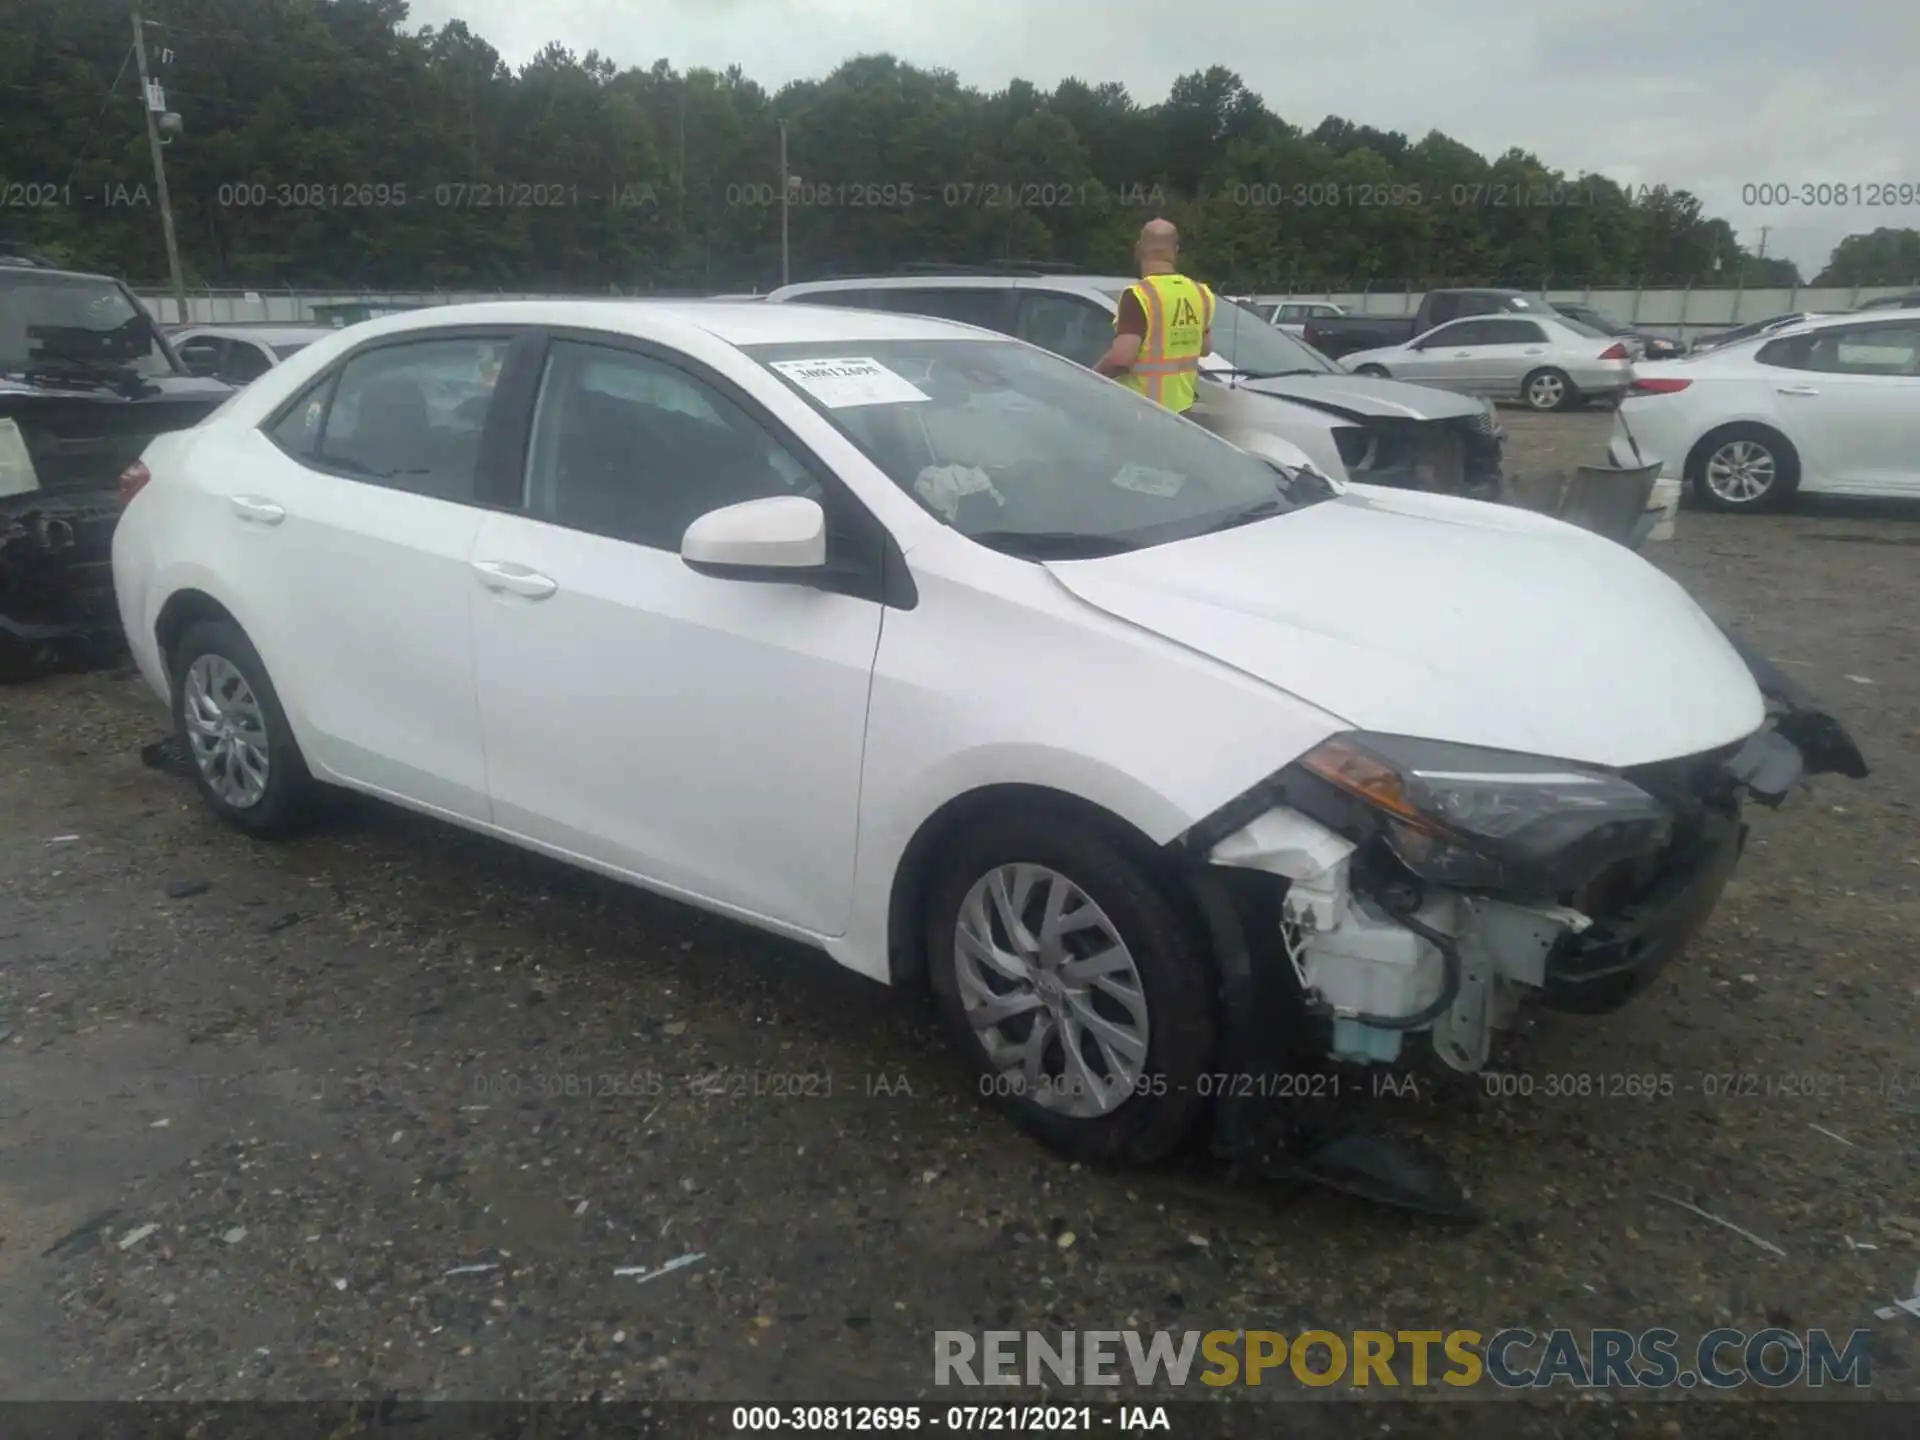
(1548, 389)
(1732, 442)
(1165, 1110)
(289, 801)
(1376, 372)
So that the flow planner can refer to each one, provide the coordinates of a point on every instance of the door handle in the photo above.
(1463, 354)
(1536, 351)
(504, 578)
(1797, 390)
(256, 511)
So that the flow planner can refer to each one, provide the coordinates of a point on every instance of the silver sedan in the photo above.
(1551, 363)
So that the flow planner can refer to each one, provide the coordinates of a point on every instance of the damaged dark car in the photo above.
(86, 380)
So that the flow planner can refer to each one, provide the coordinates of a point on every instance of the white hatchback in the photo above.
(1830, 406)
(1157, 760)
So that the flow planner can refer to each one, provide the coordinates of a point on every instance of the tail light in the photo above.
(1657, 385)
(1614, 352)
(132, 480)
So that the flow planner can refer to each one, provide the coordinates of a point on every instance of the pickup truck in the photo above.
(1337, 335)
(86, 380)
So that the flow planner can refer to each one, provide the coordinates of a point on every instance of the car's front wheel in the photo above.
(1372, 372)
(234, 733)
(1073, 985)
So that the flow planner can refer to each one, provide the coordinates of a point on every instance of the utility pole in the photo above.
(1763, 242)
(159, 165)
(786, 188)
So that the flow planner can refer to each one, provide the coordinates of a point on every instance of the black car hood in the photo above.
(80, 437)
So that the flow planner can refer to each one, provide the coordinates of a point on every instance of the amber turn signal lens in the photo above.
(1359, 774)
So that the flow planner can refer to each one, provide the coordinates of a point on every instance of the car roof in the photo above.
(1827, 320)
(271, 334)
(10, 265)
(735, 322)
(1101, 285)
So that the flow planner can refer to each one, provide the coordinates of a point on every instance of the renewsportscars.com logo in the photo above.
(1512, 1359)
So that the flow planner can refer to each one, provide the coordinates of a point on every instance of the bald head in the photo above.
(1158, 247)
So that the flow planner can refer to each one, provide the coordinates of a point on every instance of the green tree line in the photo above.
(328, 143)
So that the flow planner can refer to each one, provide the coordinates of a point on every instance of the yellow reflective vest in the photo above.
(1179, 313)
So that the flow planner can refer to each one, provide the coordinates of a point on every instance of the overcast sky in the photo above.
(1707, 95)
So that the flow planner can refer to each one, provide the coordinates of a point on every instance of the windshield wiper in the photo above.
(1051, 544)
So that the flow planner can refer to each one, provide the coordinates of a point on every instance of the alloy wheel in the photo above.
(1051, 990)
(227, 731)
(1545, 392)
(1741, 472)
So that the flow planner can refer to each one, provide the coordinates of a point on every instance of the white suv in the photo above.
(1380, 432)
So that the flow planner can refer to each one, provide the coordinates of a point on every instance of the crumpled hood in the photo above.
(1363, 397)
(1450, 619)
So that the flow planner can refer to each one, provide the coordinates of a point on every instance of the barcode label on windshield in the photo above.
(847, 381)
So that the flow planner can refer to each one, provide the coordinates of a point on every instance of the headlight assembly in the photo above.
(1469, 818)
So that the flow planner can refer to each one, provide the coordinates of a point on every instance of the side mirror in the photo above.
(775, 539)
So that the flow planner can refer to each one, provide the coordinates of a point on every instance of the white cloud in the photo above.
(1709, 96)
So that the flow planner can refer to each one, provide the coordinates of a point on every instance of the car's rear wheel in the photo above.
(1745, 467)
(1549, 389)
(235, 735)
(1073, 985)
(1377, 372)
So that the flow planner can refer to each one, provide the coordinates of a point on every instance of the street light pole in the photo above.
(786, 195)
(159, 167)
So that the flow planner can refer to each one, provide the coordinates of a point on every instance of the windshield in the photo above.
(1257, 349)
(1582, 326)
(75, 322)
(1029, 453)
(1587, 322)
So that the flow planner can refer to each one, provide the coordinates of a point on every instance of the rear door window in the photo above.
(410, 415)
(245, 362)
(1509, 332)
(200, 354)
(1462, 333)
(985, 306)
(297, 431)
(1077, 329)
(848, 299)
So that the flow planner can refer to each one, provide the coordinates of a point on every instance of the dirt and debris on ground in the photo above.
(393, 1109)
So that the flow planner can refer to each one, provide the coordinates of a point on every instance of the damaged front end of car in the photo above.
(1456, 455)
(1383, 888)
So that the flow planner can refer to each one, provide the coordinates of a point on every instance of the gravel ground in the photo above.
(386, 1109)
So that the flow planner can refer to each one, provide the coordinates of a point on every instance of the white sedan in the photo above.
(1550, 362)
(1155, 759)
(1829, 406)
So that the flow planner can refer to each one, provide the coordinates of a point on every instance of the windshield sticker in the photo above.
(943, 487)
(1161, 483)
(842, 383)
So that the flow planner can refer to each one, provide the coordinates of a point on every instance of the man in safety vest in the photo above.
(1164, 326)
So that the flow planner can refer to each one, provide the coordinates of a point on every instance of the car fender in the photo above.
(1149, 731)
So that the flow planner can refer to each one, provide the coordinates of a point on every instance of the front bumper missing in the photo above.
(1607, 965)
(1330, 970)
(1262, 872)
(1455, 456)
